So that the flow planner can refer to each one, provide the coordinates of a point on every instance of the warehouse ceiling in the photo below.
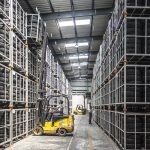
(76, 29)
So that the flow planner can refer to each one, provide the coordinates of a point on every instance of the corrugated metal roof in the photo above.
(53, 30)
(98, 28)
(61, 5)
(82, 4)
(103, 3)
(42, 5)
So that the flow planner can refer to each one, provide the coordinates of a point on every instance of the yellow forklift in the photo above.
(50, 116)
(52, 120)
(80, 110)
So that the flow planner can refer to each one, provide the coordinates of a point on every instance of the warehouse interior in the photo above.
(61, 55)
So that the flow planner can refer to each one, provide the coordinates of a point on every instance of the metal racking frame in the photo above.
(21, 39)
(135, 129)
(121, 76)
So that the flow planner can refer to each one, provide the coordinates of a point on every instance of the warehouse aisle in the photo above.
(86, 137)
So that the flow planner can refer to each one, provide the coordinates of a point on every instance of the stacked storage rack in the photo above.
(57, 84)
(69, 93)
(35, 28)
(13, 73)
(18, 74)
(121, 83)
(21, 39)
(61, 84)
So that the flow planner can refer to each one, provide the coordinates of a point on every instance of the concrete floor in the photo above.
(85, 137)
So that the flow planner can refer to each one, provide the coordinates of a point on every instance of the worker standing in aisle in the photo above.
(90, 114)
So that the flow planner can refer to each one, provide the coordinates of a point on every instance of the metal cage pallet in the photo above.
(35, 27)
(32, 65)
(14, 123)
(32, 92)
(128, 130)
(4, 8)
(4, 83)
(4, 42)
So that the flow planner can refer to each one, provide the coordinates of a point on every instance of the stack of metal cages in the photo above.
(56, 77)
(48, 66)
(13, 72)
(18, 74)
(20, 55)
(63, 83)
(70, 97)
(121, 83)
(96, 88)
(52, 73)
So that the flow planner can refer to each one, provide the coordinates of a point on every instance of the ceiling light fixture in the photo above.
(83, 44)
(70, 45)
(80, 56)
(83, 56)
(82, 22)
(75, 64)
(83, 63)
(66, 23)
(71, 23)
(73, 57)
(77, 44)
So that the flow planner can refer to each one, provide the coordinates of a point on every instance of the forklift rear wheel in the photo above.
(38, 131)
(62, 132)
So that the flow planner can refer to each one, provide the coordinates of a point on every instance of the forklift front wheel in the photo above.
(38, 131)
(62, 132)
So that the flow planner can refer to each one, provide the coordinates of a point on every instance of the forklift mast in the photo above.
(44, 103)
(41, 100)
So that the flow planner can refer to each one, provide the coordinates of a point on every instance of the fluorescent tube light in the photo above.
(75, 64)
(77, 44)
(82, 22)
(73, 57)
(66, 23)
(70, 45)
(83, 44)
(83, 56)
(77, 22)
(83, 64)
